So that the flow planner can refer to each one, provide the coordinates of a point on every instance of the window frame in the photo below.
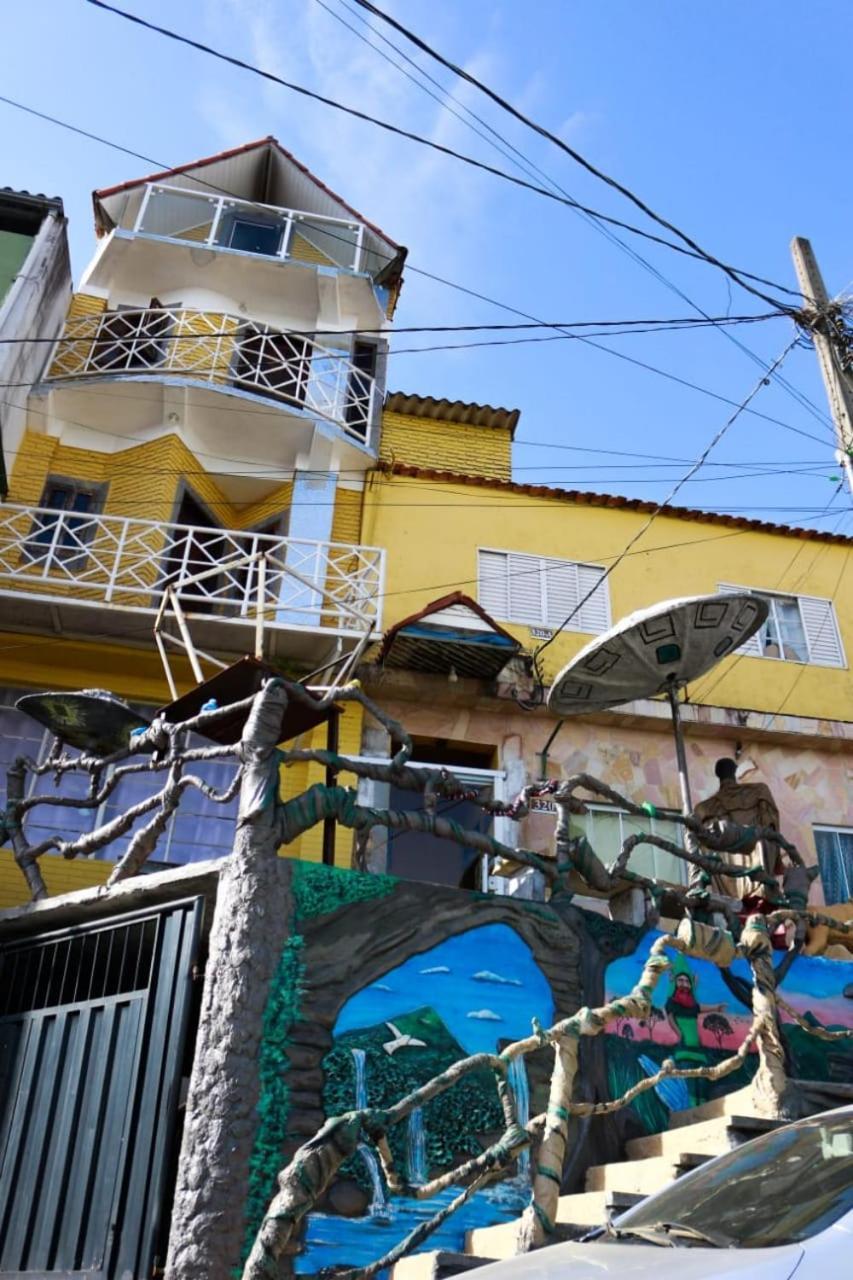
(42, 544)
(788, 596)
(543, 623)
(847, 881)
(663, 815)
(98, 815)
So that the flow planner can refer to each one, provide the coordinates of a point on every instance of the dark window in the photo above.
(63, 531)
(255, 237)
(360, 384)
(131, 339)
(272, 364)
(415, 855)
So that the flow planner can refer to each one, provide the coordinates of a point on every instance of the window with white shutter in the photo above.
(542, 592)
(798, 629)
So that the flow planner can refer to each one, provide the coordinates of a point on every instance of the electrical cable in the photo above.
(241, 64)
(276, 413)
(675, 489)
(503, 145)
(703, 692)
(804, 401)
(430, 275)
(550, 137)
(676, 324)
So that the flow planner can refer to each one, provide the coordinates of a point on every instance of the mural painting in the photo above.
(474, 992)
(701, 1015)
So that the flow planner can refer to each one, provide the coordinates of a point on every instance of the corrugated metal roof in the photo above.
(581, 498)
(269, 141)
(479, 415)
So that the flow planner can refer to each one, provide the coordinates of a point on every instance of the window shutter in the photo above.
(561, 593)
(492, 591)
(752, 648)
(594, 615)
(821, 631)
(525, 589)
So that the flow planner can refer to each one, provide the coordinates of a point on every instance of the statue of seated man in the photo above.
(741, 805)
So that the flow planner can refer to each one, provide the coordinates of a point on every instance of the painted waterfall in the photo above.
(471, 993)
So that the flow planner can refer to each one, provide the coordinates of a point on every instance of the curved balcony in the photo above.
(88, 571)
(223, 351)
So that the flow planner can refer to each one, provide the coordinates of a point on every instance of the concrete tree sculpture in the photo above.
(265, 823)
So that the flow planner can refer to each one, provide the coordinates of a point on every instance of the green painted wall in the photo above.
(14, 248)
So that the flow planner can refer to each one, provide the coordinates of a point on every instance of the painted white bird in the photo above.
(401, 1041)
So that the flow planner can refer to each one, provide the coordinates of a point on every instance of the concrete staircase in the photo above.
(652, 1162)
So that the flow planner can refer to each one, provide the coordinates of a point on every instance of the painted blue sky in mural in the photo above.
(485, 984)
(813, 982)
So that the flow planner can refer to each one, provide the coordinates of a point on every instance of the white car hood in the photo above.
(645, 1262)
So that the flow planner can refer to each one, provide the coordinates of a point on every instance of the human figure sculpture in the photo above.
(741, 805)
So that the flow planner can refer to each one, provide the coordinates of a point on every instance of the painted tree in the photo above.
(718, 1026)
(265, 823)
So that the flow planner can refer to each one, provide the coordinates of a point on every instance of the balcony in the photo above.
(222, 351)
(62, 568)
(248, 227)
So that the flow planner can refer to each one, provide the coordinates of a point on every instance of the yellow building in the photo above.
(215, 404)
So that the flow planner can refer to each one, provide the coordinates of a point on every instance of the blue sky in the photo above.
(730, 119)
(485, 985)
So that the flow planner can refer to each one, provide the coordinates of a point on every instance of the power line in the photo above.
(705, 692)
(504, 146)
(199, 453)
(242, 64)
(676, 323)
(451, 284)
(667, 500)
(553, 138)
(802, 399)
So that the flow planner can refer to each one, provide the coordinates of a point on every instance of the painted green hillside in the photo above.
(457, 1124)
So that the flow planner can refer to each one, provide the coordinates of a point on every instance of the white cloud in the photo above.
(484, 1015)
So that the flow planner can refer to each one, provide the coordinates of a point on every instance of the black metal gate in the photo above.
(92, 1028)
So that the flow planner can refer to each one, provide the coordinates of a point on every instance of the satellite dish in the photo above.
(658, 651)
(93, 720)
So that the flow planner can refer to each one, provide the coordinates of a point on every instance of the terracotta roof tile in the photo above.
(480, 415)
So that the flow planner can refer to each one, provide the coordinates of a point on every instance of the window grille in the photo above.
(835, 857)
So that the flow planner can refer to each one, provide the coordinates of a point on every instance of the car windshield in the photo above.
(780, 1188)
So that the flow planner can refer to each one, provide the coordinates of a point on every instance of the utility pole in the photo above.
(826, 329)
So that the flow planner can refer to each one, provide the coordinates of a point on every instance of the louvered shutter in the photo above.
(821, 631)
(752, 648)
(525, 589)
(594, 615)
(561, 593)
(492, 588)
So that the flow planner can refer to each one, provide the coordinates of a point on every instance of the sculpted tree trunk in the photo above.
(207, 1221)
(772, 1092)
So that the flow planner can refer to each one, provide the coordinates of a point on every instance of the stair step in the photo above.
(710, 1137)
(500, 1241)
(642, 1177)
(730, 1104)
(437, 1265)
(586, 1209)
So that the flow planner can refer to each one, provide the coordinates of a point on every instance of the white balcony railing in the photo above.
(113, 560)
(222, 222)
(223, 350)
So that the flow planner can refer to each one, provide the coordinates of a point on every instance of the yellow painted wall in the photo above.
(433, 549)
(61, 875)
(296, 778)
(446, 446)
